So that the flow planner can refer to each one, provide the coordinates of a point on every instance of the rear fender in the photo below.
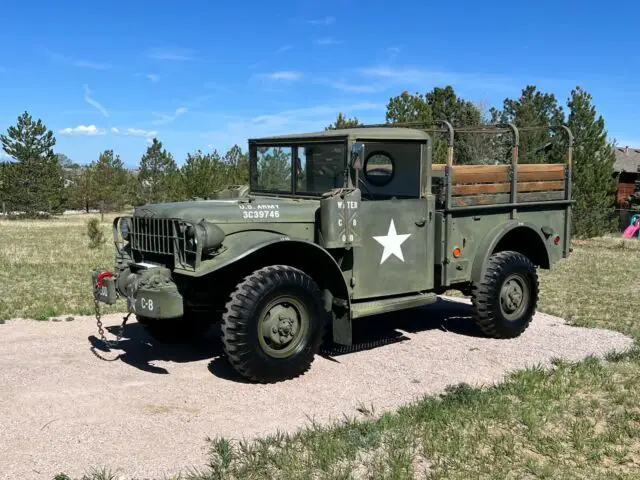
(495, 236)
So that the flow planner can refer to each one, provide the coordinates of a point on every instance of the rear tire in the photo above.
(505, 300)
(273, 324)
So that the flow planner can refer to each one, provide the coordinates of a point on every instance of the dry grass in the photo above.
(598, 286)
(45, 266)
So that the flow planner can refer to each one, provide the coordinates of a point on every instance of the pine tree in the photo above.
(35, 181)
(203, 175)
(593, 186)
(532, 109)
(439, 104)
(82, 193)
(158, 178)
(111, 186)
(343, 122)
(237, 162)
(408, 108)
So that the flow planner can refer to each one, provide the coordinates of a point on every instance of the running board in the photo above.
(375, 307)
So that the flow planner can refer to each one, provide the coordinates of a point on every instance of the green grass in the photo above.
(45, 266)
(577, 420)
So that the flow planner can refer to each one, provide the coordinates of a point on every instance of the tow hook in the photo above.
(104, 287)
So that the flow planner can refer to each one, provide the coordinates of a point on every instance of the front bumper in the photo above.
(149, 289)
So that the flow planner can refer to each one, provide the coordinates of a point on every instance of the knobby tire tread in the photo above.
(483, 292)
(236, 318)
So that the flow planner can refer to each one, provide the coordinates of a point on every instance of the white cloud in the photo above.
(327, 41)
(92, 102)
(164, 118)
(354, 88)
(286, 75)
(139, 132)
(425, 77)
(323, 21)
(171, 54)
(114, 130)
(87, 130)
(295, 120)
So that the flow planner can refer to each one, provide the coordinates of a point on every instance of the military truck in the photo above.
(336, 226)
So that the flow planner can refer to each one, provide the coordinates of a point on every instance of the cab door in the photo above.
(396, 219)
(396, 253)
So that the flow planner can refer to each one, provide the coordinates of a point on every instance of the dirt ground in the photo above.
(149, 412)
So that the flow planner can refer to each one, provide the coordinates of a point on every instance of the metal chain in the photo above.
(110, 345)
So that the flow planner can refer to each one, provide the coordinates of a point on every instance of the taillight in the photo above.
(556, 239)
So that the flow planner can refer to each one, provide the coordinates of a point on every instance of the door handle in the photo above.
(421, 222)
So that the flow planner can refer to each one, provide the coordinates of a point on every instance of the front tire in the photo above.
(273, 324)
(505, 300)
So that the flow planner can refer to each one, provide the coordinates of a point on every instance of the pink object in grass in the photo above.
(631, 230)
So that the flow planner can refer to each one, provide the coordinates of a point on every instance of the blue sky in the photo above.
(204, 74)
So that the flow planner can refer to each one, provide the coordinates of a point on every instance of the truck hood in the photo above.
(242, 210)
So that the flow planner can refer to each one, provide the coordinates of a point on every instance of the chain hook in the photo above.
(109, 344)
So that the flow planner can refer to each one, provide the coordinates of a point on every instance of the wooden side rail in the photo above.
(490, 184)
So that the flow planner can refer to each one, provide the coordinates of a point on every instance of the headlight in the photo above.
(125, 228)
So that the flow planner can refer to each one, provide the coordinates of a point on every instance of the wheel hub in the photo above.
(512, 296)
(280, 325)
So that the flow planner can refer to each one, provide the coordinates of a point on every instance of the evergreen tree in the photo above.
(110, 188)
(594, 186)
(81, 191)
(237, 162)
(35, 181)
(538, 110)
(343, 122)
(158, 177)
(409, 108)
(203, 175)
(439, 104)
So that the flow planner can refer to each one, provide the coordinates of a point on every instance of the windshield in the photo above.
(319, 167)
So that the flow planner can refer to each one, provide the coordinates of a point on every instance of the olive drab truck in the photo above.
(336, 226)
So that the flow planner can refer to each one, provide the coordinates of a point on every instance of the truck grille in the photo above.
(154, 235)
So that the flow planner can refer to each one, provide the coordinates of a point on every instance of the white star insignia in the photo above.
(392, 243)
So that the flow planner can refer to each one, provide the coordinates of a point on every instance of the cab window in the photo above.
(271, 169)
(320, 167)
(391, 170)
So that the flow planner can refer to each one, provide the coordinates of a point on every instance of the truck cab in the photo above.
(339, 225)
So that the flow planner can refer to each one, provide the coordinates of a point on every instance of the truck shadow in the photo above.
(386, 329)
(140, 350)
(379, 330)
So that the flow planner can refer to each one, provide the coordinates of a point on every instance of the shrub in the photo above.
(94, 232)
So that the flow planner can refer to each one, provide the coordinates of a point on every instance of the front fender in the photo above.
(277, 248)
(493, 238)
(238, 246)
